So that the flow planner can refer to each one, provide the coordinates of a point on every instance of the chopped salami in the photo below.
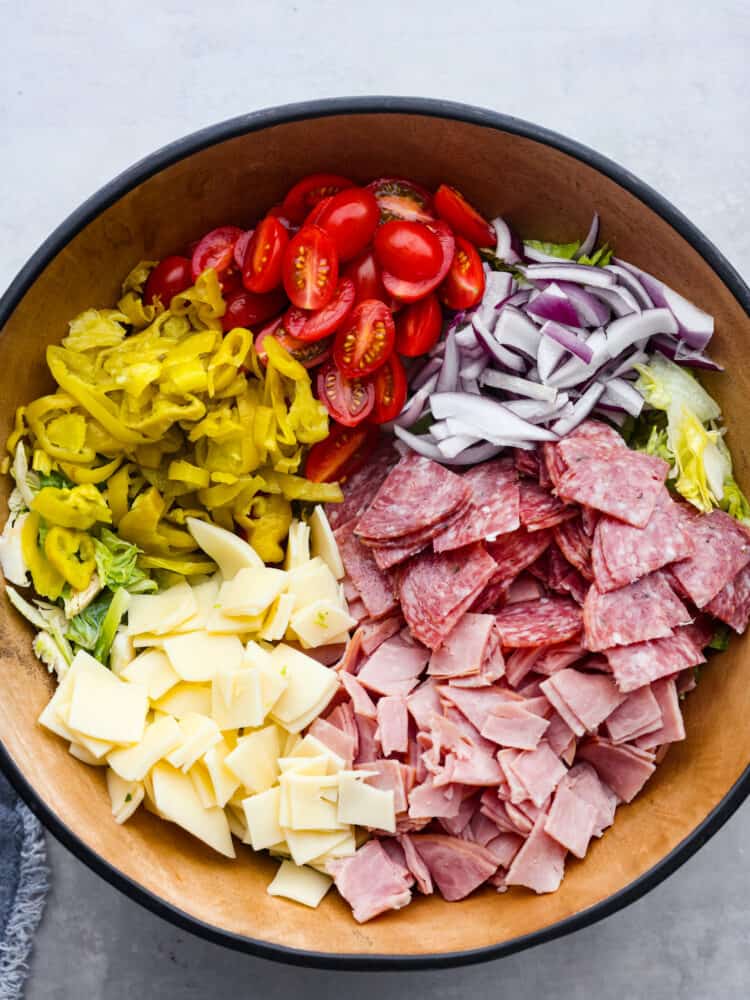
(541, 509)
(361, 487)
(643, 662)
(493, 508)
(575, 544)
(732, 603)
(537, 623)
(515, 552)
(390, 554)
(721, 548)
(647, 609)
(373, 586)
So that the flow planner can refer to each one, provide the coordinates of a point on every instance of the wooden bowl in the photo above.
(546, 186)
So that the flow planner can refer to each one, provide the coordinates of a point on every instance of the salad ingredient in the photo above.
(366, 341)
(310, 354)
(216, 251)
(401, 199)
(408, 250)
(78, 507)
(312, 326)
(390, 387)
(338, 457)
(463, 218)
(246, 309)
(463, 286)
(264, 256)
(364, 271)
(350, 218)
(411, 290)
(171, 276)
(311, 268)
(309, 191)
(418, 327)
(348, 400)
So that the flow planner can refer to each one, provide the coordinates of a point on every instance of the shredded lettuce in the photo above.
(565, 250)
(46, 617)
(734, 502)
(110, 624)
(599, 258)
(116, 564)
(666, 386)
(721, 637)
(55, 479)
(84, 629)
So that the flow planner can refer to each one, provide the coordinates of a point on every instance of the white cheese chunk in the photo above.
(125, 796)
(85, 756)
(323, 542)
(159, 739)
(251, 592)
(222, 624)
(237, 823)
(104, 707)
(197, 656)
(203, 785)
(309, 810)
(185, 699)
(176, 799)
(303, 885)
(153, 670)
(225, 783)
(312, 747)
(304, 845)
(298, 545)
(230, 552)
(255, 759)
(198, 733)
(310, 686)
(321, 622)
(310, 582)
(237, 699)
(262, 817)
(304, 720)
(160, 613)
(277, 617)
(122, 651)
(362, 805)
(206, 595)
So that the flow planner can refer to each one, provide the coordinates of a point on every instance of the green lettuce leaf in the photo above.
(721, 637)
(85, 628)
(117, 608)
(599, 258)
(116, 564)
(55, 479)
(565, 250)
(734, 501)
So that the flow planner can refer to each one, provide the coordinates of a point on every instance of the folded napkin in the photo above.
(24, 881)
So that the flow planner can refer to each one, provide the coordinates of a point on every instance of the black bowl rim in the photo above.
(253, 122)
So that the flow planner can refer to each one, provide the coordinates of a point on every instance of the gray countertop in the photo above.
(662, 87)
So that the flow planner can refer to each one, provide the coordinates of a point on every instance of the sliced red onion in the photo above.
(448, 376)
(505, 249)
(568, 339)
(466, 338)
(676, 350)
(499, 285)
(631, 282)
(414, 408)
(519, 386)
(618, 392)
(621, 300)
(575, 371)
(425, 373)
(519, 298)
(470, 385)
(553, 304)
(592, 238)
(581, 274)
(420, 443)
(695, 326)
(453, 446)
(581, 409)
(548, 357)
(486, 413)
(501, 354)
(480, 453)
(591, 310)
(628, 363)
(617, 417)
(537, 412)
(472, 368)
(463, 427)
(539, 256)
(623, 332)
(515, 329)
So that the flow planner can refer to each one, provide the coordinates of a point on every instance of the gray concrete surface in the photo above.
(86, 88)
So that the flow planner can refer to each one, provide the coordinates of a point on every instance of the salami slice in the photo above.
(541, 509)
(721, 548)
(732, 603)
(575, 544)
(493, 509)
(560, 576)
(644, 662)
(646, 609)
(361, 487)
(622, 553)
(393, 553)
(373, 586)
(538, 623)
(417, 494)
(625, 484)
(515, 552)
(437, 589)
(527, 462)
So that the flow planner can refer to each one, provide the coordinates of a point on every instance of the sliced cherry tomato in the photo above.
(411, 291)
(311, 268)
(390, 390)
(216, 250)
(309, 191)
(400, 199)
(309, 326)
(246, 309)
(170, 277)
(408, 250)
(463, 288)
(418, 326)
(341, 454)
(240, 247)
(278, 212)
(313, 216)
(261, 270)
(365, 272)
(348, 400)
(463, 218)
(366, 341)
(308, 354)
(350, 218)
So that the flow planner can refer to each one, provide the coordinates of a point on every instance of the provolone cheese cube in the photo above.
(237, 823)
(225, 782)
(159, 739)
(186, 699)
(203, 785)
(304, 845)
(308, 808)
(160, 613)
(237, 699)
(323, 542)
(309, 685)
(255, 759)
(221, 624)
(320, 765)
(85, 756)
(251, 592)
(176, 799)
(298, 545)
(122, 652)
(262, 817)
(304, 720)
(147, 641)
(104, 707)
(312, 582)
(125, 796)
(206, 595)
(311, 746)
(303, 885)
(321, 622)
(55, 713)
(363, 805)
(272, 686)
(153, 670)
(277, 617)
(198, 733)
(197, 656)
(343, 850)
(230, 552)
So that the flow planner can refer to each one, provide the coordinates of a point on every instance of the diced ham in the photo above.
(428, 799)
(492, 509)
(393, 724)
(672, 727)
(390, 776)
(372, 584)
(349, 662)
(537, 623)
(395, 666)
(423, 703)
(362, 702)
(455, 825)
(647, 609)
(504, 848)
(589, 697)
(341, 743)
(585, 782)
(639, 664)
(369, 748)
(560, 736)
(416, 865)
(721, 548)
(558, 657)
(521, 662)
(539, 771)
(457, 867)
(374, 633)
(571, 820)
(357, 609)
(540, 863)
(637, 715)
(395, 852)
(479, 767)
(370, 882)
(342, 716)
(475, 703)
(624, 768)
(464, 651)
(511, 725)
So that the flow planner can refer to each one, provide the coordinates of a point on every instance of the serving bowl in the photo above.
(546, 186)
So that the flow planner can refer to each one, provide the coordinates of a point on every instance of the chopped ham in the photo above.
(416, 865)
(457, 867)
(393, 724)
(540, 863)
(362, 702)
(395, 852)
(395, 666)
(339, 742)
(369, 748)
(571, 820)
(539, 772)
(423, 703)
(370, 882)
(559, 735)
(511, 725)
(585, 782)
(521, 662)
(475, 703)
(625, 769)
(590, 697)
(479, 767)
(672, 728)
(464, 651)
(637, 715)
(455, 825)
(374, 633)
(504, 848)
(390, 776)
(428, 800)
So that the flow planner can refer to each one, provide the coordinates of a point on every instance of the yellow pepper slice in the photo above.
(71, 553)
(80, 507)
(99, 474)
(268, 526)
(48, 582)
(186, 472)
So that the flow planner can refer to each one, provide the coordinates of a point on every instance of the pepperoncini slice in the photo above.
(72, 554)
(48, 582)
(267, 526)
(80, 507)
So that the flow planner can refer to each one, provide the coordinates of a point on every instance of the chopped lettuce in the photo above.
(721, 637)
(599, 258)
(84, 629)
(734, 501)
(46, 617)
(27, 481)
(117, 608)
(55, 479)
(565, 250)
(666, 386)
(116, 564)
(48, 652)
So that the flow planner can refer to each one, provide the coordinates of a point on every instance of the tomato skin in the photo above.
(401, 199)
(261, 268)
(463, 287)
(365, 272)
(170, 277)
(390, 390)
(366, 341)
(311, 268)
(463, 218)
(350, 218)
(240, 247)
(348, 400)
(246, 309)
(216, 250)
(408, 250)
(308, 354)
(418, 326)
(311, 326)
(412, 291)
(341, 454)
(307, 192)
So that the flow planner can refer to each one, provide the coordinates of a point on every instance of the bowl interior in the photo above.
(543, 192)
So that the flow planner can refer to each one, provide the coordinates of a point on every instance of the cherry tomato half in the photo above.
(463, 287)
(408, 250)
(308, 354)
(341, 454)
(463, 218)
(411, 291)
(311, 268)
(170, 277)
(350, 218)
(240, 247)
(365, 272)
(418, 326)
(390, 390)
(348, 400)
(400, 199)
(261, 270)
(366, 341)
(309, 326)
(246, 309)
(216, 250)
(309, 191)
